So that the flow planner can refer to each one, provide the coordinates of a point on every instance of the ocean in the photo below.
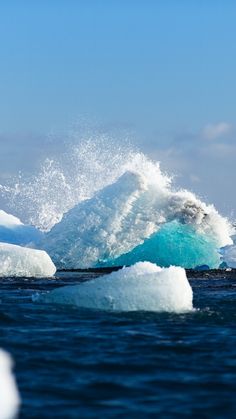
(75, 363)
(140, 342)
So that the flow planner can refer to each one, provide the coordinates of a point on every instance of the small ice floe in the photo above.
(9, 396)
(141, 287)
(228, 255)
(22, 261)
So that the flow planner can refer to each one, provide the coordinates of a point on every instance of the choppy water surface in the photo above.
(73, 363)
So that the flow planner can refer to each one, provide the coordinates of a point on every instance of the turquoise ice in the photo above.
(174, 244)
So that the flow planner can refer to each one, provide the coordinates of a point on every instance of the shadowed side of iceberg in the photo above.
(13, 231)
(142, 287)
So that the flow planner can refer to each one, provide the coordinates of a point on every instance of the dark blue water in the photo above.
(71, 363)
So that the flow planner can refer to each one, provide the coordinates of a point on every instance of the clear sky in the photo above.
(164, 70)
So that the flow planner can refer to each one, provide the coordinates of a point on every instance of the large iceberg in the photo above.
(138, 218)
(13, 231)
(9, 396)
(144, 286)
(22, 261)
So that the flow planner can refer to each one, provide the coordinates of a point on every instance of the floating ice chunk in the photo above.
(9, 396)
(22, 261)
(13, 231)
(141, 287)
(228, 255)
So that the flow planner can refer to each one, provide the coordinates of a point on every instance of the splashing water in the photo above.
(84, 168)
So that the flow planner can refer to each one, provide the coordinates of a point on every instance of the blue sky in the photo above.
(163, 70)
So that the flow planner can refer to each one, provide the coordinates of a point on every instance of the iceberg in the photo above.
(141, 287)
(228, 255)
(138, 218)
(9, 396)
(13, 231)
(22, 261)
(102, 204)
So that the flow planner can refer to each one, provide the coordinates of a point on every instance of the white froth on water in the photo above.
(22, 261)
(142, 287)
(9, 396)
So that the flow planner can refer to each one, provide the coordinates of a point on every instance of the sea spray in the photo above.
(86, 166)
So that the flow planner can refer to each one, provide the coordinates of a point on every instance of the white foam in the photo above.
(9, 396)
(142, 287)
(22, 261)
